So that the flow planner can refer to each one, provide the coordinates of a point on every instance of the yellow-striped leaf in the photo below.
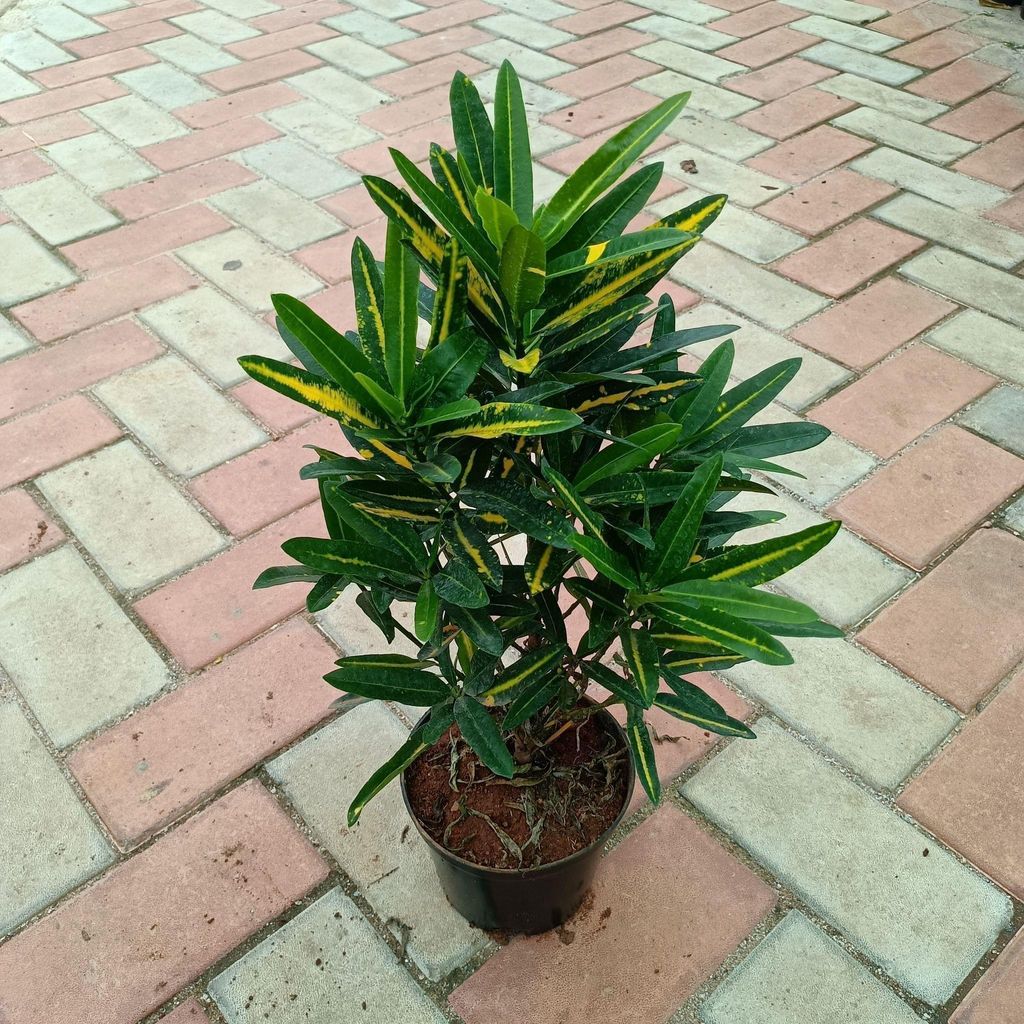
(449, 179)
(691, 704)
(450, 297)
(695, 217)
(662, 393)
(642, 749)
(753, 564)
(641, 656)
(367, 563)
(617, 280)
(498, 418)
(544, 566)
(315, 392)
(369, 301)
(473, 545)
(524, 364)
(573, 500)
(729, 631)
(536, 664)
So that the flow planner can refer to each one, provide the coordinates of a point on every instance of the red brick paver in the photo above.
(150, 926)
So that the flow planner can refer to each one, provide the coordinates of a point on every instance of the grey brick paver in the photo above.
(925, 920)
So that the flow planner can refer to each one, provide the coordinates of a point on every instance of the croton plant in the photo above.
(509, 379)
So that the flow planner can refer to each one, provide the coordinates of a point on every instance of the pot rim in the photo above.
(541, 869)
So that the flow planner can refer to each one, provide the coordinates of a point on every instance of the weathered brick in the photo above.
(121, 948)
(150, 769)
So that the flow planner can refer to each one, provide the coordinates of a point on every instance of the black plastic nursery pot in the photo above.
(522, 901)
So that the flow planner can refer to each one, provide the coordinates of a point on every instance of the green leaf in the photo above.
(476, 551)
(600, 170)
(367, 563)
(325, 593)
(459, 585)
(691, 704)
(692, 410)
(428, 606)
(441, 469)
(536, 664)
(642, 749)
(637, 449)
(745, 400)
(573, 500)
(753, 564)
(279, 574)
(405, 685)
(520, 418)
(728, 631)
(369, 301)
(607, 562)
(399, 661)
(481, 732)
(675, 538)
(333, 351)
(445, 373)
(391, 769)
(498, 218)
(401, 291)
(816, 628)
(769, 440)
(513, 165)
(394, 409)
(612, 212)
(480, 628)
(532, 698)
(507, 503)
(737, 599)
(457, 410)
(614, 683)
(522, 269)
(474, 135)
(642, 659)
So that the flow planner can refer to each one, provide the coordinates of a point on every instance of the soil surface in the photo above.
(570, 796)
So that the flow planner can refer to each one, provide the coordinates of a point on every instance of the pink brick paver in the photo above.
(668, 889)
(826, 200)
(167, 758)
(961, 629)
(189, 1012)
(918, 505)
(972, 795)
(150, 926)
(806, 156)
(212, 609)
(849, 257)
(997, 998)
(38, 441)
(874, 322)
(271, 475)
(899, 400)
(25, 529)
(161, 107)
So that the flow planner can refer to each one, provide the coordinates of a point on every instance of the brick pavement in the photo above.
(172, 776)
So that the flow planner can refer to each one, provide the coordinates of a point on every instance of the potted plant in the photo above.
(526, 446)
